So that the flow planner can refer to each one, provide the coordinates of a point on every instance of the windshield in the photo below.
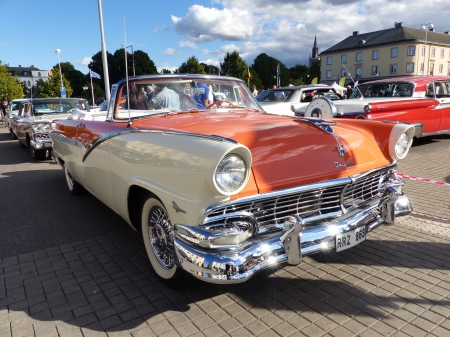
(390, 89)
(14, 105)
(150, 95)
(273, 95)
(56, 106)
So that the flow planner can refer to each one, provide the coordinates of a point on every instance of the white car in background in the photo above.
(284, 101)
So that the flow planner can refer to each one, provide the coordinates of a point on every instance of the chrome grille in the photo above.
(308, 204)
(363, 189)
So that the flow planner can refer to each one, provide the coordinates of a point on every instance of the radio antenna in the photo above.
(354, 84)
(129, 124)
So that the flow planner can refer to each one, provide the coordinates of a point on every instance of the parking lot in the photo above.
(69, 266)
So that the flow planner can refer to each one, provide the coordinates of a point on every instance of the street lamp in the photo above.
(426, 26)
(85, 92)
(58, 51)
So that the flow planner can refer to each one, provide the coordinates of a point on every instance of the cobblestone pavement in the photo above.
(395, 283)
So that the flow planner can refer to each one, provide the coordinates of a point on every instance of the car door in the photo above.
(93, 159)
(442, 93)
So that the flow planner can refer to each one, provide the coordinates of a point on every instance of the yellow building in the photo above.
(399, 51)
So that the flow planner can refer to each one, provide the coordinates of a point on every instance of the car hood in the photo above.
(286, 151)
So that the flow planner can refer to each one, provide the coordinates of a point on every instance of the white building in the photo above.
(28, 76)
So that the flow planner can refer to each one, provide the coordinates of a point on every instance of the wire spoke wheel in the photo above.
(160, 235)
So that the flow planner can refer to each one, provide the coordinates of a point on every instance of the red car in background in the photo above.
(423, 101)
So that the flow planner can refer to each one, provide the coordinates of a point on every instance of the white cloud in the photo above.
(187, 44)
(168, 51)
(285, 29)
(202, 24)
(85, 61)
(162, 29)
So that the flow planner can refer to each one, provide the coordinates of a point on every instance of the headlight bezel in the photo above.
(222, 174)
(400, 140)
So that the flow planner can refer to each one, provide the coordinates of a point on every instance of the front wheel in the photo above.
(158, 236)
(74, 187)
(37, 154)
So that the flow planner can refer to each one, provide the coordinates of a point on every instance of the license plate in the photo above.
(350, 239)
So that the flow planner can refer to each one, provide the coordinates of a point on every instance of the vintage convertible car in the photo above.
(32, 123)
(284, 101)
(223, 192)
(423, 101)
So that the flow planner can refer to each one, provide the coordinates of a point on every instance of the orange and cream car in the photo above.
(223, 190)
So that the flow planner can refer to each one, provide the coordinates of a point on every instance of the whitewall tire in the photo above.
(74, 187)
(158, 236)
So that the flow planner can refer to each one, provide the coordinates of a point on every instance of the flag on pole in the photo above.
(249, 76)
(95, 75)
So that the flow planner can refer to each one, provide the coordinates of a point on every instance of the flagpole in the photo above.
(92, 88)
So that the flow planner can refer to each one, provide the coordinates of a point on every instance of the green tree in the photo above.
(51, 87)
(255, 80)
(142, 63)
(191, 66)
(166, 71)
(266, 67)
(210, 69)
(75, 77)
(299, 74)
(10, 87)
(96, 65)
(233, 65)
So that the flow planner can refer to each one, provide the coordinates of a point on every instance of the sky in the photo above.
(171, 31)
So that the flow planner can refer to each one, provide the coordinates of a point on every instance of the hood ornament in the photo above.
(341, 150)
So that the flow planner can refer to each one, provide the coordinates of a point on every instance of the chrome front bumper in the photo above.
(41, 144)
(286, 246)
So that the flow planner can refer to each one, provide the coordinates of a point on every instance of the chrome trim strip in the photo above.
(66, 140)
(115, 133)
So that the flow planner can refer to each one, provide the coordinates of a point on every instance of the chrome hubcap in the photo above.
(160, 234)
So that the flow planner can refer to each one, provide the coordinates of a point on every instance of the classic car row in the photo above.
(30, 120)
(221, 191)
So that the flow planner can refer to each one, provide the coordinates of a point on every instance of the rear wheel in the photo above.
(158, 236)
(74, 187)
(37, 154)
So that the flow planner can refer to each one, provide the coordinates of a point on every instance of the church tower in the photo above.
(315, 53)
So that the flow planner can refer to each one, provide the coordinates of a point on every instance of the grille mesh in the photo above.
(307, 204)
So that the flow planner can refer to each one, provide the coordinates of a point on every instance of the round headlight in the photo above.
(230, 173)
(46, 127)
(36, 127)
(402, 146)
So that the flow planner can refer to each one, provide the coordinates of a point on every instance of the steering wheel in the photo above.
(218, 102)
